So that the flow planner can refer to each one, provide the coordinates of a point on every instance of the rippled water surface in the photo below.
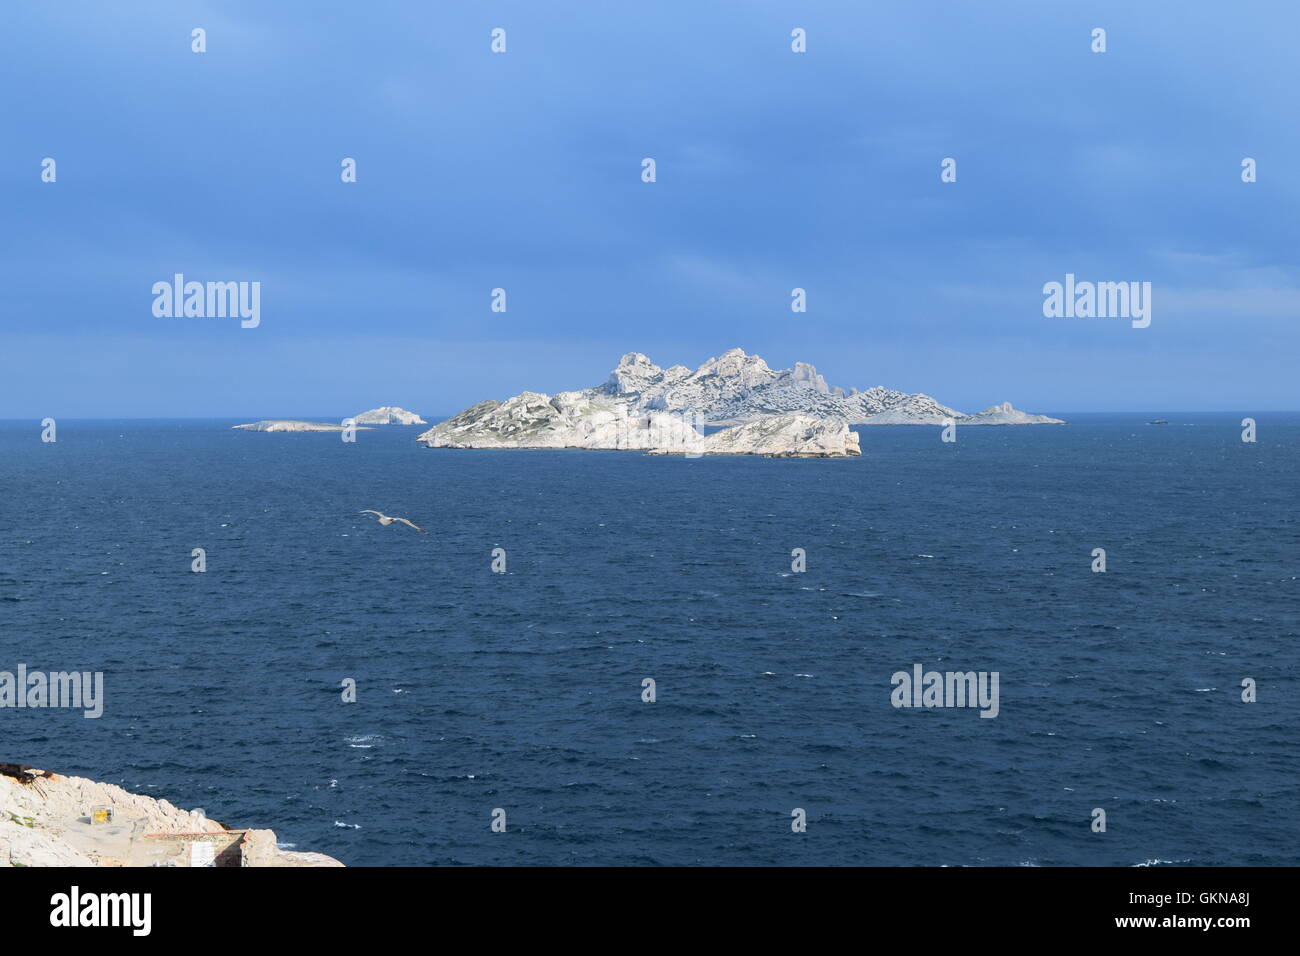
(523, 690)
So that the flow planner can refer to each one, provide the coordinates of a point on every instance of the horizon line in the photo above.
(210, 418)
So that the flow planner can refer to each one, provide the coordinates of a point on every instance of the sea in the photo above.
(519, 694)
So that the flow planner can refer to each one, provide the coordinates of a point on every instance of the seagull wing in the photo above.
(415, 526)
(369, 512)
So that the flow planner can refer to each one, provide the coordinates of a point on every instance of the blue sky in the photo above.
(522, 171)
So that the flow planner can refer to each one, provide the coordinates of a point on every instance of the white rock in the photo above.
(574, 420)
(1004, 414)
(47, 824)
(736, 387)
(289, 425)
(781, 436)
(568, 420)
(643, 406)
(23, 845)
(388, 415)
(902, 409)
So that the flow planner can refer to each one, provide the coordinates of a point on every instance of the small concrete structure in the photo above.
(197, 849)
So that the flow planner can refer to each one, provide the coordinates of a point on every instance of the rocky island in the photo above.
(388, 415)
(384, 415)
(780, 436)
(762, 411)
(47, 819)
(290, 425)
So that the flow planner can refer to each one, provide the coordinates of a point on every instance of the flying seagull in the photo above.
(386, 521)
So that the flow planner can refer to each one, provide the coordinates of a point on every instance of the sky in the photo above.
(522, 170)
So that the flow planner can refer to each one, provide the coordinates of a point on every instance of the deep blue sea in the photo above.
(476, 690)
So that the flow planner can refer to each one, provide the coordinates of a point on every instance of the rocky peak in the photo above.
(733, 364)
(807, 375)
(733, 388)
(388, 415)
(635, 373)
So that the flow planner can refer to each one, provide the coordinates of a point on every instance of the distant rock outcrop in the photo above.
(643, 406)
(289, 425)
(1004, 414)
(736, 387)
(388, 415)
(579, 420)
(567, 420)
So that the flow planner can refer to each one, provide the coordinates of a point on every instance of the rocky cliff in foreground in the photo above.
(49, 820)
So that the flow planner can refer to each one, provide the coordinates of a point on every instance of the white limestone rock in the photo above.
(736, 388)
(46, 823)
(388, 415)
(780, 436)
(727, 390)
(22, 844)
(1004, 414)
(899, 409)
(574, 420)
(643, 406)
(289, 425)
(567, 420)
